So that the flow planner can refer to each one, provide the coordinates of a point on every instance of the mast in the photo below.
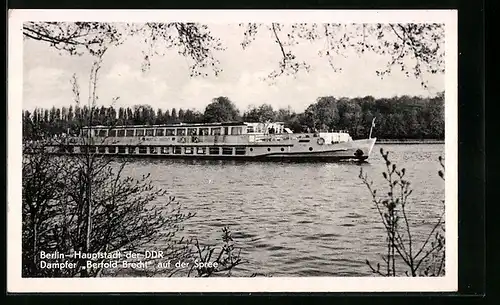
(371, 128)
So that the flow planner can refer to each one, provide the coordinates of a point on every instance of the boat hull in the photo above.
(357, 150)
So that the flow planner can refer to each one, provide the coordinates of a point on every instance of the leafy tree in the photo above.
(221, 109)
(130, 117)
(159, 116)
(411, 124)
(263, 113)
(64, 114)
(285, 114)
(167, 117)
(173, 116)
(297, 123)
(193, 116)
(121, 116)
(350, 117)
(28, 124)
(181, 115)
(435, 112)
(323, 114)
(111, 118)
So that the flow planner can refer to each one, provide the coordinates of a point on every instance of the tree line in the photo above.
(402, 117)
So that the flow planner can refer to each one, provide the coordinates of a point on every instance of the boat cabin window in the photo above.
(237, 130)
(201, 151)
(181, 131)
(150, 132)
(102, 149)
(177, 150)
(63, 149)
(215, 131)
(165, 150)
(240, 151)
(170, 132)
(213, 150)
(153, 150)
(122, 149)
(204, 131)
(192, 131)
(102, 132)
(160, 132)
(112, 149)
(112, 133)
(227, 150)
(143, 150)
(90, 149)
(188, 150)
(69, 149)
(121, 132)
(130, 132)
(139, 133)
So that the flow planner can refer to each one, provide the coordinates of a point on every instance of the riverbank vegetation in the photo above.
(401, 117)
(408, 253)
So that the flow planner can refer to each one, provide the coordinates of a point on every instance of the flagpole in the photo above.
(373, 125)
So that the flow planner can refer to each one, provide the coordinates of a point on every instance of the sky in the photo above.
(47, 73)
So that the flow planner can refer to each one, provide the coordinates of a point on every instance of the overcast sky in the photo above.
(47, 73)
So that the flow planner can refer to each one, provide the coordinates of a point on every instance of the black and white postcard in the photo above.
(232, 151)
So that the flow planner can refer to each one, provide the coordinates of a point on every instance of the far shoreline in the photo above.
(409, 141)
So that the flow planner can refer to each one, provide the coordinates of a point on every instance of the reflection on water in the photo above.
(298, 219)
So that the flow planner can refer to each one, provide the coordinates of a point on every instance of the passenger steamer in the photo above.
(270, 141)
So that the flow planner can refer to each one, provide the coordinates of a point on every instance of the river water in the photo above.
(299, 219)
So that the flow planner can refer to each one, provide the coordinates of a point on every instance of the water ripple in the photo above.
(297, 219)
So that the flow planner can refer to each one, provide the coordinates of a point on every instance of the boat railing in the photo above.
(159, 140)
(196, 140)
(178, 140)
(271, 137)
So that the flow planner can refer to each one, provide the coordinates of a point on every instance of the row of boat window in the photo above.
(177, 150)
(159, 132)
